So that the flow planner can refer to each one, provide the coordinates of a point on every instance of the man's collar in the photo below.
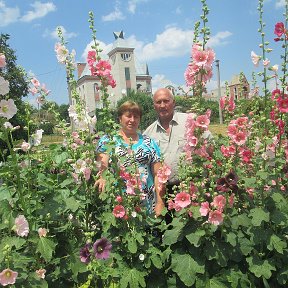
(174, 119)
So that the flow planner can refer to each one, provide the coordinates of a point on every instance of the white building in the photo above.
(128, 72)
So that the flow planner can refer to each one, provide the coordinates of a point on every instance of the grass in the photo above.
(218, 129)
(52, 139)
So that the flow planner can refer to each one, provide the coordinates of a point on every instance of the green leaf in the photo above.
(132, 245)
(260, 268)
(134, 278)
(258, 215)
(215, 283)
(156, 260)
(46, 248)
(186, 268)
(71, 204)
(246, 246)
(277, 244)
(173, 235)
(195, 237)
(262, 174)
(67, 182)
(231, 238)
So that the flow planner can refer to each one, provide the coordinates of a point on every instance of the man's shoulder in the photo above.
(152, 127)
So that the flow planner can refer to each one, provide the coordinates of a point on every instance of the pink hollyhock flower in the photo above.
(119, 199)
(228, 151)
(119, 211)
(266, 62)
(182, 199)
(222, 102)
(7, 108)
(41, 273)
(2, 60)
(211, 56)
(61, 53)
(85, 253)
(79, 166)
(87, 173)
(275, 94)
(163, 173)
(231, 104)
(130, 188)
(33, 91)
(200, 57)
(204, 209)
(202, 121)
(279, 29)
(282, 103)
(4, 86)
(241, 121)
(8, 277)
(103, 68)
(171, 204)
(25, 146)
(21, 226)
(219, 202)
(102, 248)
(255, 58)
(246, 155)
(240, 138)
(231, 200)
(35, 82)
(91, 57)
(215, 217)
(42, 232)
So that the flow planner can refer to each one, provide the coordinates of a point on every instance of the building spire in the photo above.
(118, 35)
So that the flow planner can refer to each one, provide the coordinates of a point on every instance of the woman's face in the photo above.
(129, 122)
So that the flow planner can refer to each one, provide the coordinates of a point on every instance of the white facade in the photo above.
(128, 73)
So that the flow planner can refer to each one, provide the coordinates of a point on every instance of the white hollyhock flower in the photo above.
(7, 108)
(141, 257)
(4, 86)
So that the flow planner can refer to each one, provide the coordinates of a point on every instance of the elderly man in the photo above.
(169, 131)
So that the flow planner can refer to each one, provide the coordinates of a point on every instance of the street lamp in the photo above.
(219, 91)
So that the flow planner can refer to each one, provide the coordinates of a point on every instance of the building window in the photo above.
(125, 56)
(127, 73)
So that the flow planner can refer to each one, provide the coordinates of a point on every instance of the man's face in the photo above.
(164, 105)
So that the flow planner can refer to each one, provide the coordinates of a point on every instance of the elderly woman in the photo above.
(146, 155)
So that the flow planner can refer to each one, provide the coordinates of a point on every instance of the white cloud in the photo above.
(132, 4)
(105, 49)
(160, 81)
(54, 33)
(8, 15)
(280, 3)
(39, 10)
(115, 15)
(219, 39)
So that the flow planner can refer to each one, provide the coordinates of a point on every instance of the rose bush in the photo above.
(229, 213)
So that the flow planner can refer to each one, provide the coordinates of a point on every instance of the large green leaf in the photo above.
(186, 268)
(132, 245)
(277, 244)
(72, 204)
(172, 236)
(195, 237)
(134, 278)
(46, 248)
(258, 215)
(260, 268)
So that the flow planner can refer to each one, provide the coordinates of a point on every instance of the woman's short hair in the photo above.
(129, 106)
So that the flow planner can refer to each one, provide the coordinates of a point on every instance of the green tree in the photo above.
(146, 103)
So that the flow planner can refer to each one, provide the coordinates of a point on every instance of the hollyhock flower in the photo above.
(8, 277)
(87, 173)
(215, 217)
(91, 57)
(182, 199)
(240, 138)
(42, 232)
(200, 57)
(231, 200)
(8, 125)
(222, 102)
(222, 185)
(279, 29)
(202, 121)
(255, 58)
(119, 199)
(246, 155)
(2, 60)
(4, 86)
(103, 68)
(170, 204)
(130, 188)
(141, 257)
(163, 173)
(41, 273)
(61, 53)
(231, 178)
(282, 104)
(79, 166)
(266, 62)
(37, 137)
(21, 226)
(7, 108)
(228, 151)
(241, 121)
(35, 82)
(219, 202)
(275, 68)
(85, 253)
(204, 209)
(102, 248)
(25, 146)
(275, 94)
(119, 211)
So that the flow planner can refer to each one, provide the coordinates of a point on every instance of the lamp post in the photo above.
(219, 91)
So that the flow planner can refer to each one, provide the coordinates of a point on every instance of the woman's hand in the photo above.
(100, 183)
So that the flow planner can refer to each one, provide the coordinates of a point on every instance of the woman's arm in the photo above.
(103, 159)
(159, 189)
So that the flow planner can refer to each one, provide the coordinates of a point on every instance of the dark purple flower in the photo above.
(231, 178)
(85, 253)
(102, 248)
(222, 185)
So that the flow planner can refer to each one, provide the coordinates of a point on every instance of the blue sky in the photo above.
(160, 30)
